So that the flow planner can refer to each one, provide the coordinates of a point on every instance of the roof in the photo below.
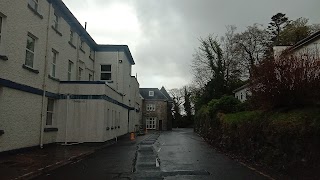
(164, 92)
(158, 95)
(313, 37)
(62, 10)
(241, 88)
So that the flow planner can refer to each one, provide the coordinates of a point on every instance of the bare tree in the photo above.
(252, 45)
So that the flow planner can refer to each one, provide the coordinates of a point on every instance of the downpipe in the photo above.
(44, 83)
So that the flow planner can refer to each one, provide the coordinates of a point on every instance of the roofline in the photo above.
(306, 40)
(112, 48)
(241, 87)
(75, 25)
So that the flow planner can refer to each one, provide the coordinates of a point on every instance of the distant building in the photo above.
(242, 93)
(56, 83)
(156, 109)
(309, 46)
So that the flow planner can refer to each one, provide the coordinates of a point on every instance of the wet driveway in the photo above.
(177, 154)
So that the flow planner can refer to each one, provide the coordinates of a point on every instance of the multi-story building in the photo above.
(156, 109)
(56, 83)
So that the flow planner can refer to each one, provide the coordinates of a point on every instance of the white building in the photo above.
(242, 93)
(56, 83)
(309, 46)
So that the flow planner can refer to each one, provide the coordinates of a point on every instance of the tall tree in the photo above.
(297, 30)
(252, 45)
(277, 24)
(177, 96)
(187, 105)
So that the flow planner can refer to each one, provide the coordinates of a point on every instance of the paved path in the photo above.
(177, 154)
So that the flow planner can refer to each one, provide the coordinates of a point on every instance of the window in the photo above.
(53, 63)
(151, 93)
(105, 72)
(50, 106)
(30, 51)
(1, 20)
(151, 107)
(71, 36)
(70, 64)
(34, 4)
(91, 54)
(81, 44)
(151, 123)
(80, 73)
(55, 21)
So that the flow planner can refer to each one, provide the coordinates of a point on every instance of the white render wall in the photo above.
(20, 112)
(242, 94)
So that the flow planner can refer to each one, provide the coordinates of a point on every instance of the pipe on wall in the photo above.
(43, 109)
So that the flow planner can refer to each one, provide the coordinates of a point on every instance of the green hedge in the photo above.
(283, 139)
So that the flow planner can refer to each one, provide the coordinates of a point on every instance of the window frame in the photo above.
(50, 111)
(151, 123)
(92, 53)
(54, 63)
(71, 36)
(151, 107)
(1, 30)
(70, 65)
(80, 73)
(56, 21)
(105, 72)
(34, 4)
(30, 51)
(151, 93)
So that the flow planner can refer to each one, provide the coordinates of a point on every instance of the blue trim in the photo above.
(82, 82)
(29, 89)
(62, 10)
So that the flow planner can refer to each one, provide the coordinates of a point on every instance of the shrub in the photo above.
(227, 104)
(288, 81)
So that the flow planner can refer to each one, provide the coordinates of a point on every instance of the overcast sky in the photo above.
(163, 34)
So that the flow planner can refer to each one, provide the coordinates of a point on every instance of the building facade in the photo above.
(56, 83)
(156, 109)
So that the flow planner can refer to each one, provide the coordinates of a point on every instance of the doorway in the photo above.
(160, 125)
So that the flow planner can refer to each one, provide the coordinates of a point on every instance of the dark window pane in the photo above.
(105, 76)
(49, 119)
(105, 67)
(50, 105)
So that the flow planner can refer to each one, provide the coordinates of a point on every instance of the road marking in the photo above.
(257, 171)
(159, 149)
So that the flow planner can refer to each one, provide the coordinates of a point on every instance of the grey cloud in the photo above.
(171, 28)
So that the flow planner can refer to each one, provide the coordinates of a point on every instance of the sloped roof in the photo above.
(313, 37)
(158, 95)
(164, 92)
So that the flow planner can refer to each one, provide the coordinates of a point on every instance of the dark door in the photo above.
(160, 125)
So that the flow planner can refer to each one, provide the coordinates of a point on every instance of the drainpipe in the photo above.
(43, 109)
(66, 130)
(118, 70)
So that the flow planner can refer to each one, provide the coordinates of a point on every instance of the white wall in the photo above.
(242, 94)
(20, 112)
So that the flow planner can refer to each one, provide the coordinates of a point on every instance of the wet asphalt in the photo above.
(178, 154)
